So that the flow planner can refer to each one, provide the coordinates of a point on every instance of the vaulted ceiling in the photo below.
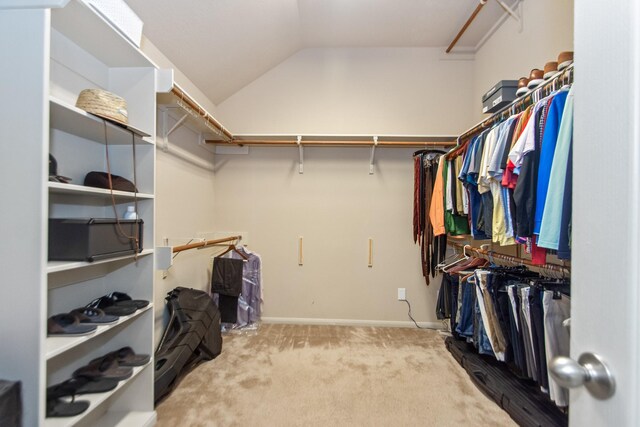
(223, 45)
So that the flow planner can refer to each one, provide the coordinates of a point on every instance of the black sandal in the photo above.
(57, 406)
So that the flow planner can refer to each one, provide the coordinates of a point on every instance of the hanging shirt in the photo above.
(250, 299)
(436, 209)
(551, 129)
(564, 246)
(454, 224)
(459, 190)
(494, 172)
(475, 201)
(524, 194)
(552, 216)
(510, 178)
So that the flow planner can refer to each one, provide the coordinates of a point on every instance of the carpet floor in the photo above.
(295, 375)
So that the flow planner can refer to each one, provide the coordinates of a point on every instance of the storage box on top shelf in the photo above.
(501, 94)
(120, 15)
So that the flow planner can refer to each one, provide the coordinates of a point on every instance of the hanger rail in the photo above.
(548, 270)
(200, 245)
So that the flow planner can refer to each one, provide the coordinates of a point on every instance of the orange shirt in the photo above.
(436, 210)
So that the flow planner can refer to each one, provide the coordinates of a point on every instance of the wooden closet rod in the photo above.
(241, 142)
(560, 270)
(204, 244)
(518, 103)
(466, 25)
(184, 97)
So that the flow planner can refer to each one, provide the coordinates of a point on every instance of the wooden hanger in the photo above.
(233, 248)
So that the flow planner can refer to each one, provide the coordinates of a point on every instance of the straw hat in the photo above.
(103, 104)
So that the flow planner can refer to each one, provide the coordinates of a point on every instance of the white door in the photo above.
(606, 206)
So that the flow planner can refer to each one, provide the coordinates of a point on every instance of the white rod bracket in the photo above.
(165, 138)
(373, 154)
(177, 125)
(166, 132)
(301, 153)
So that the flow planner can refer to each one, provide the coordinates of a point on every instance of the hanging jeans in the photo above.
(556, 337)
(515, 331)
(537, 331)
(465, 325)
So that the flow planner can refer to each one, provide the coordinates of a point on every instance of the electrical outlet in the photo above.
(402, 294)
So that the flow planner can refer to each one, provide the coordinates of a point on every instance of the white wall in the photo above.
(510, 53)
(336, 206)
(184, 201)
(356, 90)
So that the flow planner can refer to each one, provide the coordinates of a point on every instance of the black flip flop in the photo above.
(82, 385)
(67, 325)
(107, 305)
(59, 406)
(122, 298)
(104, 367)
(127, 357)
(93, 316)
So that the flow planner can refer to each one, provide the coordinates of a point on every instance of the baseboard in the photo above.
(351, 322)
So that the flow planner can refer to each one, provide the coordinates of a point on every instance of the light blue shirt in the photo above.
(552, 216)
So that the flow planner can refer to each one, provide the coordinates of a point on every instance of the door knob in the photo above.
(589, 371)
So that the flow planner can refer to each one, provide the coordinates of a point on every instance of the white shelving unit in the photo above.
(51, 50)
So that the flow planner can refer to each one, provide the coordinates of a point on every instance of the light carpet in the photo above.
(295, 375)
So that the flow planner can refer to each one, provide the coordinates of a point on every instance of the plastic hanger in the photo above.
(466, 257)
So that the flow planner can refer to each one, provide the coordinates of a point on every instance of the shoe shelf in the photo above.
(101, 193)
(58, 266)
(66, 46)
(126, 419)
(96, 400)
(55, 346)
(70, 119)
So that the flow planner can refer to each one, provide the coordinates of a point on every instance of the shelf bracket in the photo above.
(514, 15)
(301, 153)
(177, 125)
(166, 132)
(373, 154)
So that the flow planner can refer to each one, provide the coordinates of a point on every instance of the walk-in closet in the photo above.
(300, 213)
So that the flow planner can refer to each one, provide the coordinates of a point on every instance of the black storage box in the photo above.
(501, 94)
(91, 239)
(10, 403)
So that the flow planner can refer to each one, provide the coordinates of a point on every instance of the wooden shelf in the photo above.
(111, 419)
(61, 188)
(58, 266)
(90, 31)
(70, 119)
(55, 346)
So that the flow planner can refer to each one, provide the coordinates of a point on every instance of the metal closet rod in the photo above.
(544, 269)
(329, 143)
(204, 244)
(184, 97)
